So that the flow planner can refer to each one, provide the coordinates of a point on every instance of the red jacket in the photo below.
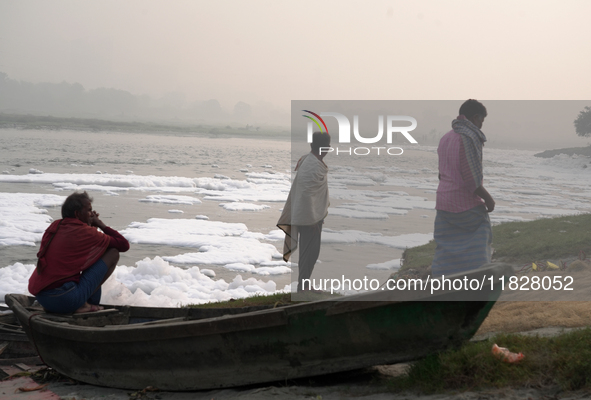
(74, 248)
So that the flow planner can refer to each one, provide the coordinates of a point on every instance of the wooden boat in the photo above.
(15, 347)
(192, 348)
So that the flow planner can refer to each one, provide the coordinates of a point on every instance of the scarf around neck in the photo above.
(473, 140)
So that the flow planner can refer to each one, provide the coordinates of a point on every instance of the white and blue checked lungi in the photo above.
(463, 241)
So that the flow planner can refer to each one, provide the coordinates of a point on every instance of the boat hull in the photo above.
(192, 352)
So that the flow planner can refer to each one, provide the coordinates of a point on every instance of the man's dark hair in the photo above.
(74, 202)
(471, 108)
(319, 140)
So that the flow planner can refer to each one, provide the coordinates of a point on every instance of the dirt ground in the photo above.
(520, 316)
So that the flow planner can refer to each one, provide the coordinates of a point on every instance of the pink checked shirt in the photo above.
(456, 184)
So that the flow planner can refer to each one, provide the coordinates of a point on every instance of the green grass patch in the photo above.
(275, 300)
(542, 239)
(564, 361)
(253, 301)
(522, 242)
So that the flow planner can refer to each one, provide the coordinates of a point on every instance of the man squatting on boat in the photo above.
(305, 209)
(75, 259)
(462, 231)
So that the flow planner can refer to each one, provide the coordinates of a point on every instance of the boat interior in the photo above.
(125, 315)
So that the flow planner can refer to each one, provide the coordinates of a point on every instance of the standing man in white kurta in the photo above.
(306, 208)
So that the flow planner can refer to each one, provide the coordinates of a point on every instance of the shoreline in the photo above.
(92, 125)
(569, 151)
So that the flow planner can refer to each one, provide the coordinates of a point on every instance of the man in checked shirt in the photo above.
(462, 226)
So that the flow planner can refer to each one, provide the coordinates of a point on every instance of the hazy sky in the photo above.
(277, 51)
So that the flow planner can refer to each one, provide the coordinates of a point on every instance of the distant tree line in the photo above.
(73, 100)
(63, 98)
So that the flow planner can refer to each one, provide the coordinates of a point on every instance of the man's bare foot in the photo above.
(88, 308)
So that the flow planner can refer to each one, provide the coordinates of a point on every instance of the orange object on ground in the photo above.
(504, 354)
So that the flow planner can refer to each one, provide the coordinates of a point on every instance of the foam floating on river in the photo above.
(243, 206)
(217, 243)
(154, 283)
(23, 218)
(171, 199)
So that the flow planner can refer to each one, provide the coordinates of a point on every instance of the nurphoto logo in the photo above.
(345, 133)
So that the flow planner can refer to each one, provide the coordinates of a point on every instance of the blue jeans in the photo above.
(71, 295)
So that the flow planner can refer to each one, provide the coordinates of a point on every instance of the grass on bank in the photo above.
(275, 300)
(521, 242)
(563, 361)
(253, 301)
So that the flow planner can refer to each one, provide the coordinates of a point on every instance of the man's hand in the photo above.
(488, 200)
(95, 221)
(490, 204)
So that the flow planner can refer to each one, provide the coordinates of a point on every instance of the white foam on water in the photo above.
(277, 263)
(108, 180)
(237, 206)
(15, 279)
(171, 199)
(180, 232)
(22, 220)
(387, 265)
(276, 176)
(272, 271)
(268, 187)
(71, 187)
(208, 272)
(276, 234)
(217, 243)
(241, 267)
(265, 187)
(154, 283)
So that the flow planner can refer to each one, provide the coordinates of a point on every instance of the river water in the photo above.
(200, 211)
